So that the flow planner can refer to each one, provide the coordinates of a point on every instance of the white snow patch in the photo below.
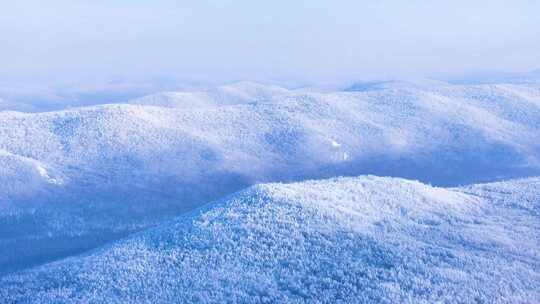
(335, 144)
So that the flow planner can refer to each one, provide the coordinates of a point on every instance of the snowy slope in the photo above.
(22, 177)
(82, 177)
(350, 240)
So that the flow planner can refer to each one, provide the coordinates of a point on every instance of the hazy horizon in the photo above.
(136, 47)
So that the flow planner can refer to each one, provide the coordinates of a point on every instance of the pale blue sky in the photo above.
(60, 41)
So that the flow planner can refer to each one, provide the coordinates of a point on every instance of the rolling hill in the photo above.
(343, 240)
(81, 177)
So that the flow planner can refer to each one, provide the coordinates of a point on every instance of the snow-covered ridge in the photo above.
(363, 240)
(393, 122)
(93, 174)
(236, 93)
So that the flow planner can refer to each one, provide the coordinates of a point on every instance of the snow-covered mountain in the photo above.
(342, 240)
(236, 93)
(81, 177)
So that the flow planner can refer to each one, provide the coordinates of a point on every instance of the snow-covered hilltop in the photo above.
(81, 177)
(237, 93)
(350, 240)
